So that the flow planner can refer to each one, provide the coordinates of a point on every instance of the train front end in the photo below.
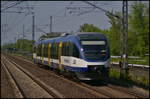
(95, 55)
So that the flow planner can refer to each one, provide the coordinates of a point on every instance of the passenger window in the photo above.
(45, 50)
(39, 50)
(70, 49)
(67, 49)
(56, 50)
(75, 51)
(52, 52)
(34, 49)
(64, 50)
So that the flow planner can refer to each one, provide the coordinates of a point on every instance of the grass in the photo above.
(132, 80)
(114, 74)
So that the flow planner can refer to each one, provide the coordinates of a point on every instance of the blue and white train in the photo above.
(84, 54)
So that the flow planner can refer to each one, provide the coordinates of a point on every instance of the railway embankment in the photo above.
(72, 89)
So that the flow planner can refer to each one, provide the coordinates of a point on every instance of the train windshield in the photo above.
(94, 50)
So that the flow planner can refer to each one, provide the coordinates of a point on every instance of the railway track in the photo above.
(95, 93)
(105, 91)
(16, 89)
(39, 88)
(126, 91)
(113, 91)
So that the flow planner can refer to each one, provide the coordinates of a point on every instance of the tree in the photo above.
(115, 33)
(89, 28)
(139, 28)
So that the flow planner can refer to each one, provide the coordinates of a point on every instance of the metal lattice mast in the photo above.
(125, 36)
(33, 20)
(50, 24)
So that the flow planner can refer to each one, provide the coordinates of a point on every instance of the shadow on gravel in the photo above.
(95, 83)
(112, 81)
(126, 83)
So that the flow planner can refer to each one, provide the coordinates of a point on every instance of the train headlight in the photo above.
(81, 49)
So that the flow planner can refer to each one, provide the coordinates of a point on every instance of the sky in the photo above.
(62, 20)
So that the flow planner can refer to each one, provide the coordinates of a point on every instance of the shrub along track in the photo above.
(77, 88)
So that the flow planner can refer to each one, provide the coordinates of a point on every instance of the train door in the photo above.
(59, 55)
(49, 54)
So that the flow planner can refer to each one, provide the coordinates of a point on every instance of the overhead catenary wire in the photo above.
(8, 3)
(15, 22)
(107, 12)
(11, 6)
(19, 12)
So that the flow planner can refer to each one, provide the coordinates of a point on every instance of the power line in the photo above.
(11, 6)
(12, 12)
(107, 12)
(5, 3)
(8, 4)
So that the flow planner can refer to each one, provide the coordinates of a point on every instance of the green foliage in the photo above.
(115, 32)
(24, 44)
(114, 74)
(21, 44)
(89, 28)
(139, 29)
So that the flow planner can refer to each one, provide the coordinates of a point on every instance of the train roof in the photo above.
(78, 35)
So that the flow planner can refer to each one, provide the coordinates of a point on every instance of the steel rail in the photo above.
(48, 89)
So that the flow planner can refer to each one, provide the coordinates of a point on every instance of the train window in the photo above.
(34, 49)
(70, 49)
(45, 50)
(56, 50)
(75, 51)
(67, 49)
(40, 50)
(52, 52)
(63, 49)
(37, 50)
